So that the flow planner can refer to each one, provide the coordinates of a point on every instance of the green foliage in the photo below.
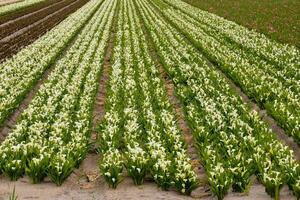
(13, 195)
(36, 168)
(111, 167)
(60, 168)
(277, 19)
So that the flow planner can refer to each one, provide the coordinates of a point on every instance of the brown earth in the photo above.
(24, 11)
(99, 107)
(12, 43)
(11, 26)
(203, 189)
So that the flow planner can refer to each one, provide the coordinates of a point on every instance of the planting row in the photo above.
(17, 6)
(20, 73)
(266, 71)
(139, 130)
(234, 143)
(286, 57)
(52, 135)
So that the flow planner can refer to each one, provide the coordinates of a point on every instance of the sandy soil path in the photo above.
(86, 184)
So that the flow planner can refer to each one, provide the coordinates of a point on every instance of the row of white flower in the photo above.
(10, 8)
(285, 57)
(20, 73)
(52, 136)
(234, 143)
(275, 88)
(217, 40)
(140, 130)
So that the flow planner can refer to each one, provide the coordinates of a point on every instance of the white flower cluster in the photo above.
(112, 161)
(20, 73)
(52, 136)
(10, 8)
(266, 71)
(139, 118)
(111, 166)
(283, 55)
(234, 143)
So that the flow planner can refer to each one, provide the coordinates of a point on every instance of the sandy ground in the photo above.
(86, 184)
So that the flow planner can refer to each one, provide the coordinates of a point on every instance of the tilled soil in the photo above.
(11, 26)
(33, 29)
(24, 11)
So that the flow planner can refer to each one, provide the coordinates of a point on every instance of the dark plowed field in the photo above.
(26, 10)
(24, 29)
(14, 25)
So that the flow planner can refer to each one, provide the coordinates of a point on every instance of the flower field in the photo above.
(52, 124)
(155, 45)
(139, 120)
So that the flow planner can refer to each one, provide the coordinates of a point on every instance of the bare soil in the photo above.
(203, 189)
(24, 11)
(11, 26)
(99, 108)
(86, 184)
(12, 43)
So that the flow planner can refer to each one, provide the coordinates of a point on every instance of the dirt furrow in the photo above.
(30, 26)
(14, 25)
(99, 106)
(12, 45)
(26, 10)
(88, 173)
(203, 189)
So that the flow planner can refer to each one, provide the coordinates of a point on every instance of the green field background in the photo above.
(278, 19)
